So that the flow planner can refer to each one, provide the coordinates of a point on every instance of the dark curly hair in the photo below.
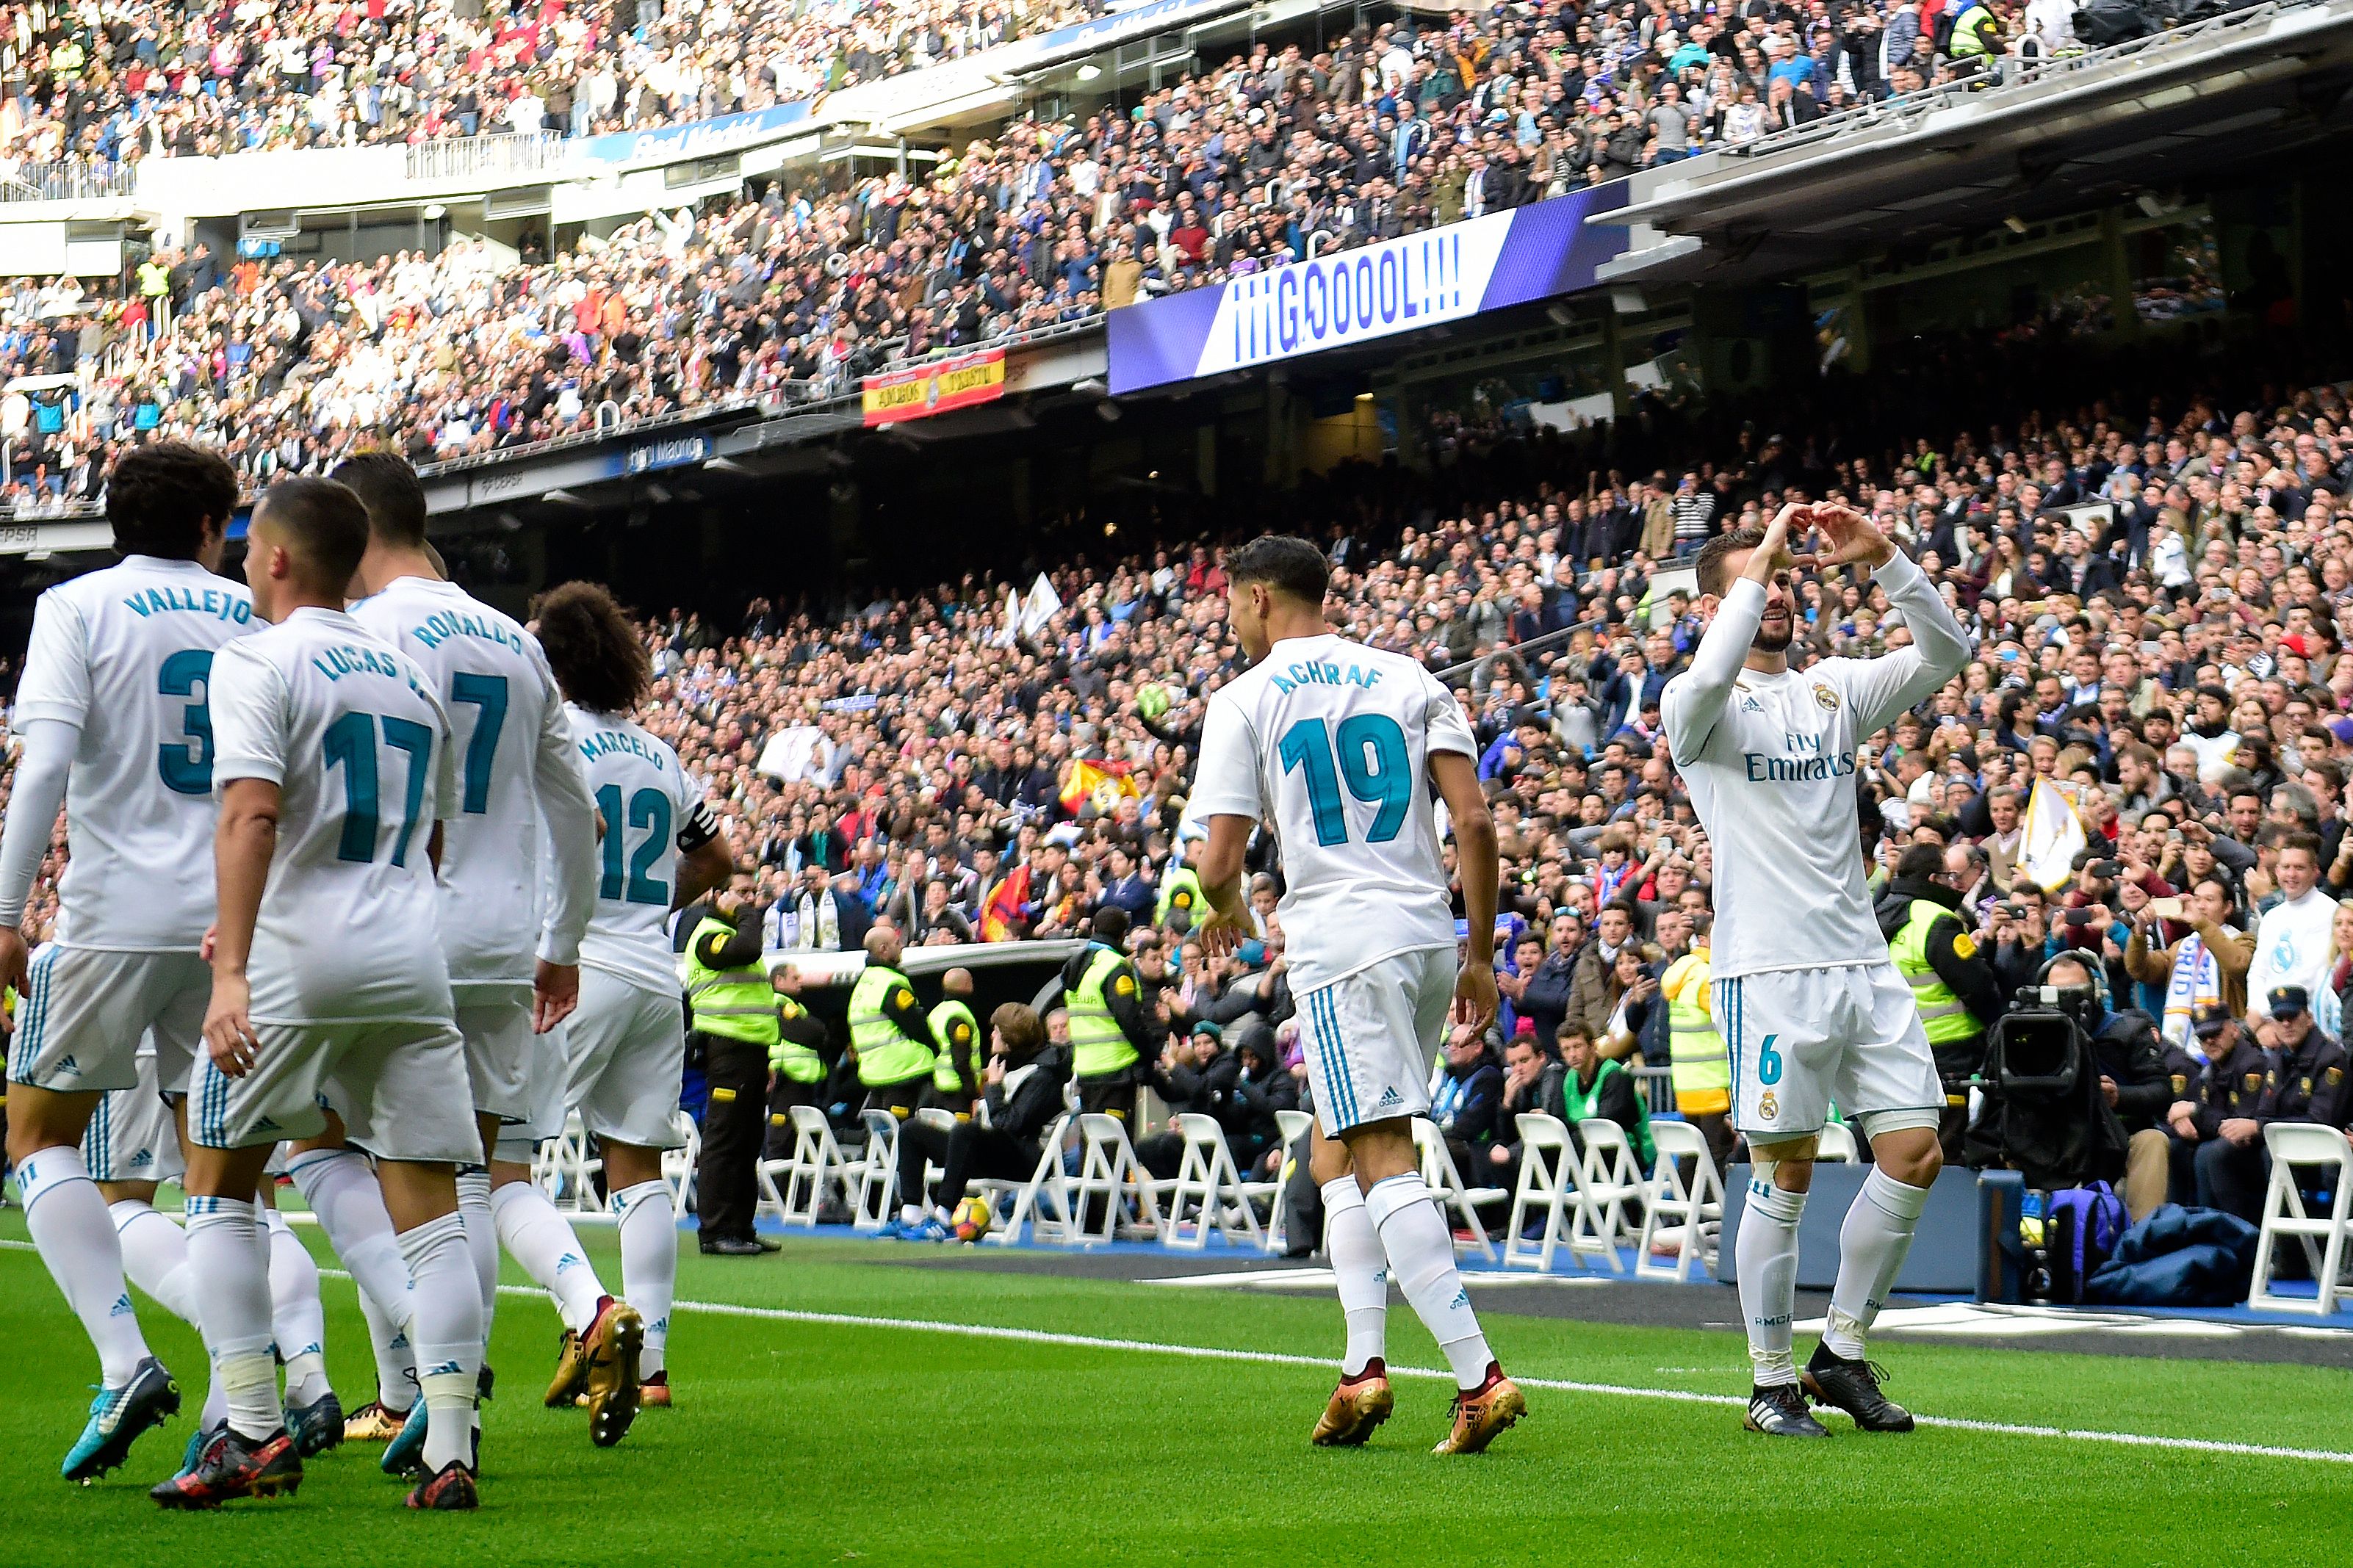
(160, 496)
(598, 657)
(1280, 561)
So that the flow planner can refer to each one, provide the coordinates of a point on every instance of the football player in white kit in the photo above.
(336, 771)
(512, 974)
(1812, 1008)
(1343, 748)
(113, 713)
(626, 1044)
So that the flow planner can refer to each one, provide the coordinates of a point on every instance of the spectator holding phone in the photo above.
(2204, 969)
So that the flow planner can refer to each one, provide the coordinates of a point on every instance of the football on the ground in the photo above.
(972, 1219)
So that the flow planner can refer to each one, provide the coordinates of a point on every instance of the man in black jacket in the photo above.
(1196, 1079)
(1532, 1081)
(1021, 1094)
(1260, 1088)
(1463, 1107)
(2138, 1087)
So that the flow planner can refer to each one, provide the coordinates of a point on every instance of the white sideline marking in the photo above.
(1275, 1358)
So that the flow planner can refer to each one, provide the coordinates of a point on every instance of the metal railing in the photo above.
(2007, 72)
(475, 157)
(73, 179)
(715, 409)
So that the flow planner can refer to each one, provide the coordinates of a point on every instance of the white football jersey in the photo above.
(348, 727)
(1331, 741)
(652, 809)
(515, 769)
(126, 652)
(1770, 764)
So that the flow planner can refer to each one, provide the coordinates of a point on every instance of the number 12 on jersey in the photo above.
(1371, 757)
(649, 809)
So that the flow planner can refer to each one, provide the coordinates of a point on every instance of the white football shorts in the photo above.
(1802, 1039)
(495, 1022)
(84, 1009)
(627, 1050)
(399, 1086)
(1370, 1038)
(131, 1137)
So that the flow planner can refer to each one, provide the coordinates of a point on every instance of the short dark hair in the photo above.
(1715, 575)
(388, 486)
(1920, 862)
(1282, 561)
(160, 496)
(599, 659)
(325, 525)
(2307, 842)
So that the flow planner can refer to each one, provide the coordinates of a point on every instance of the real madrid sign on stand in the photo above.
(918, 392)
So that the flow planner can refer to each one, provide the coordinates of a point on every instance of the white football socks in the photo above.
(538, 1236)
(296, 1314)
(1873, 1243)
(448, 1335)
(341, 1187)
(155, 1256)
(481, 1240)
(1421, 1251)
(67, 1217)
(1362, 1270)
(1767, 1253)
(649, 1262)
(233, 1299)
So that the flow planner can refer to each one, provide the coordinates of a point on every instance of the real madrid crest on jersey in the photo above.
(1824, 698)
(1768, 1106)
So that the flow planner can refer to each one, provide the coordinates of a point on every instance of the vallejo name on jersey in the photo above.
(211, 602)
(1804, 762)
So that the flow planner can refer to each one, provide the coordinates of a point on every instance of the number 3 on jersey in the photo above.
(1372, 759)
(648, 810)
(189, 769)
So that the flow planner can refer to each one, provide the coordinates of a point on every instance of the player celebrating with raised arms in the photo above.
(335, 771)
(1342, 747)
(1811, 1007)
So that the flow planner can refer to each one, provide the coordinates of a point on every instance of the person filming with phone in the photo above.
(2206, 968)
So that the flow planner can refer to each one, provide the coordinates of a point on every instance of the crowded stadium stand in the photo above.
(908, 368)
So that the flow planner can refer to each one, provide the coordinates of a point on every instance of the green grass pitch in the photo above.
(798, 1441)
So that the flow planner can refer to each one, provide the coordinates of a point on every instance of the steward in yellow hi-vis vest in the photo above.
(888, 1029)
(1952, 982)
(1113, 1032)
(960, 1051)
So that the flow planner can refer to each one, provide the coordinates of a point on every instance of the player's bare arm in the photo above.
(1476, 859)
(242, 847)
(1228, 922)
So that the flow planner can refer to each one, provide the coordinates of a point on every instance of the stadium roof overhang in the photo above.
(2179, 109)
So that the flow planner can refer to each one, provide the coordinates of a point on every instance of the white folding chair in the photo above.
(1031, 1197)
(678, 1165)
(2294, 1144)
(1446, 1184)
(1107, 1170)
(1207, 1181)
(1836, 1145)
(571, 1172)
(815, 1160)
(1608, 1182)
(1548, 1183)
(1290, 1125)
(875, 1173)
(1687, 1214)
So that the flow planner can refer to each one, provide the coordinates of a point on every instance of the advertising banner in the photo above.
(1356, 296)
(918, 392)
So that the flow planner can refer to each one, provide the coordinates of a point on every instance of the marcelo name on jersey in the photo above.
(605, 742)
(1804, 763)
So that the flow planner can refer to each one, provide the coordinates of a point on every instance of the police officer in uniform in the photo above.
(2294, 1074)
(888, 1029)
(796, 1067)
(1111, 1025)
(1954, 986)
(736, 1027)
(956, 1040)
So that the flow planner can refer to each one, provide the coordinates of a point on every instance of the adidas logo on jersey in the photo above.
(142, 1158)
(1389, 1097)
(68, 1065)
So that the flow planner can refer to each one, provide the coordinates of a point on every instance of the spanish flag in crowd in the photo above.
(1102, 784)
